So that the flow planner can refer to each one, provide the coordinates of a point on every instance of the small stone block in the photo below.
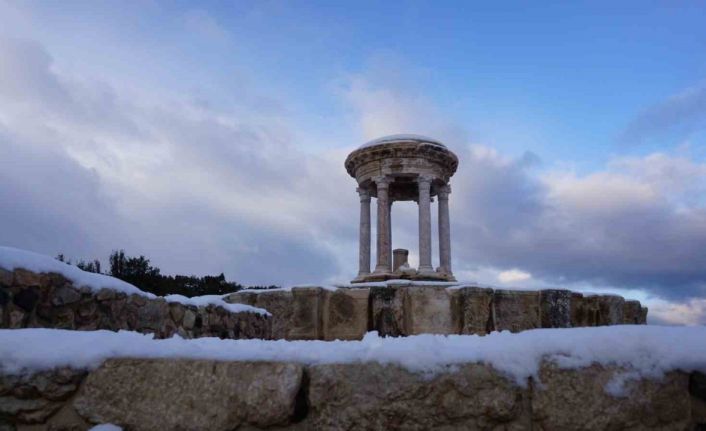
(472, 310)
(516, 310)
(555, 308)
(427, 310)
(306, 314)
(345, 314)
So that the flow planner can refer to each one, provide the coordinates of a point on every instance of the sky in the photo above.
(211, 136)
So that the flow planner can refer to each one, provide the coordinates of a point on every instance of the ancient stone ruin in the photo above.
(207, 389)
(403, 168)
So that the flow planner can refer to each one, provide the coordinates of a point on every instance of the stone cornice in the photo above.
(408, 149)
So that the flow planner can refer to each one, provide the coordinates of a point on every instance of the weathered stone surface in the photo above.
(189, 319)
(5, 278)
(643, 315)
(584, 310)
(190, 394)
(30, 399)
(65, 295)
(555, 308)
(631, 312)
(610, 309)
(105, 294)
(375, 396)
(247, 298)
(427, 310)
(472, 310)
(387, 311)
(22, 277)
(306, 323)
(580, 400)
(516, 310)
(52, 301)
(280, 304)
(345, 314)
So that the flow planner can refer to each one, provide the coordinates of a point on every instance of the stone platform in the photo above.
(178, 394)
(404, 308)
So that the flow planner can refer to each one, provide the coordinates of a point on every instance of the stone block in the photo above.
(105, 294)
(64, 296)
(472, 311)
(643, 315)
(144, 394)
(387, 311)
(345, 313)
(279, 303)
(176, 312)
(247, 298)
(593, 398)
(373, 396)
(427, 310)
(516, 310)
(631, 312)
(25, 278)
(555, 308)
(610, 309)
(584, 310)
(189, 319)
(306, 322)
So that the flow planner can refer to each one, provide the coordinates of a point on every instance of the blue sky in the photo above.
(211, 136)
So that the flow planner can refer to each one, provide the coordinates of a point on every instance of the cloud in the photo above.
(681, 114)
(620, 227)
(198, 190)
(513, 276)
(386, 101)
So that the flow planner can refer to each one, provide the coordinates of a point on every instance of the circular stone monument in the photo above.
(403, 168)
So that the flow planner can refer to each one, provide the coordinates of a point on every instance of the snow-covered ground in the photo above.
(15, 258)
(648, 350)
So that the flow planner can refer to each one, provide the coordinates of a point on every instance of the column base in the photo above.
(403, 275)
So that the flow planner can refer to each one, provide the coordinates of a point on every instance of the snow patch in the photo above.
(646, 351)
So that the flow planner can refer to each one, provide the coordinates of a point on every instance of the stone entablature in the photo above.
(403, 168)
(412, 308)
(50, 300)
(177, 394)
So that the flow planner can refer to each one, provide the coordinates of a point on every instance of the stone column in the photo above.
(364, 235)
(389, 228)
(383, 230)
(444, 231)
(424, 183)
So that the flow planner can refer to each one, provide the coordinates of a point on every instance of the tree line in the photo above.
(138, 271)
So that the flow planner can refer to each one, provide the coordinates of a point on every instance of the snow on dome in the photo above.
(401, 137)
(15, 258)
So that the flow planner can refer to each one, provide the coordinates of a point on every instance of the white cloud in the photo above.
(513, 276)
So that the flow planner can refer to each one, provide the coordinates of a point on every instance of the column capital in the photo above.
(382, 181)
(444, 192)
(364, 194)
(425, 179)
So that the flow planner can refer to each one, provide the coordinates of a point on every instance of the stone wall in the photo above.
(314, 313)
(148, 394)
(30, 300)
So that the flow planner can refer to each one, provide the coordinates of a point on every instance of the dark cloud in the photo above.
(609, 229)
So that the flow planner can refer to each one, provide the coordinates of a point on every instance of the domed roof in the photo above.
(402, 138)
